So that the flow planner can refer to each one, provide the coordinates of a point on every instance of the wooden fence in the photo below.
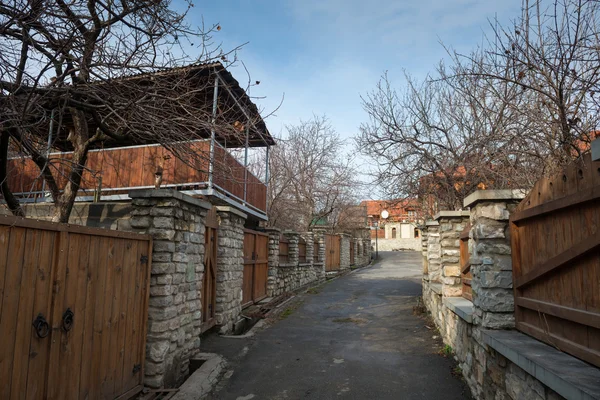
(256, 266)
(332, 252)
(301, 250)
(555, 235)
(73, 310)
(284, 250)
(316, 251)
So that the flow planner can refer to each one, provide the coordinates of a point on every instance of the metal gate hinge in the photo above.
(136, 368)
(144, 259)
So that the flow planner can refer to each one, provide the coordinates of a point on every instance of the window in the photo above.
(416, 233)
(393, 233)
(411, 213)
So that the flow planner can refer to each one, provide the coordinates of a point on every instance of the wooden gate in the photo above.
(73, 310)
(256, 265)
(465, 264)
(332, 252)
(209, 282)
(351, 251)
(555, 235)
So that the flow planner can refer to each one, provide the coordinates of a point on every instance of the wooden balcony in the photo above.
(113, 172)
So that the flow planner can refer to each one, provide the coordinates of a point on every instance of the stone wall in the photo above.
(464, 325)
(344, 252)
(397, 244)
(452, 224)
(293, 275)
(434, 252)
(230, 267)
(176, 223)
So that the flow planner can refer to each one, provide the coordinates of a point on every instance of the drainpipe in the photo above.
(212, 134)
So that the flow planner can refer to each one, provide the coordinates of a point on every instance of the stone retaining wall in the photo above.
(176, 223)
(463, 324)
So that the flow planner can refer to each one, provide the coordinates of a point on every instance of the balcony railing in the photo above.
(113, 172)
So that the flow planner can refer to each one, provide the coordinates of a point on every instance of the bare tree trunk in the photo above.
(11, 201)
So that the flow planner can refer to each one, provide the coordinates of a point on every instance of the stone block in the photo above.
(496, 279)
(497, 211)
(452, 271)
(495, 300)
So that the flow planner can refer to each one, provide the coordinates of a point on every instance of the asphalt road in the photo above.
(357, 338)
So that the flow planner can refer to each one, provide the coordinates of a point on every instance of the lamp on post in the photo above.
(384, 215)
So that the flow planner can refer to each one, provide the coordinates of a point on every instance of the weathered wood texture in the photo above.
(556, 261)
(332, 252)
(284, 250)
(301, 250)
(136, 167)
(99, 280)
(256, 266)
(352, 251)
(465, 264)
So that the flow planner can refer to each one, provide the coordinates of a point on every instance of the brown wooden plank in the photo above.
(109, 291)
(59, 266)
(140, 318)
(582, 352)
(128, 316)
(93, 295)
(70, 347)
(129, 264)
(39, 347)
(94, 385)
(23, 328)
(570, 255)
(572, 314)
(10, 308)
(570, 200)
(115, 319)
(143, 315)
(4, 246)
(8, 220)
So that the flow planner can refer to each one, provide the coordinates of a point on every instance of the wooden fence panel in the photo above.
(555, 238)
(301, 250)
(284, 250)
(256, 265)
(332, 252)
(351, 252)
(70, 295)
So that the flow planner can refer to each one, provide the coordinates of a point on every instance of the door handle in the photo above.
(41, 326)
(67, 320)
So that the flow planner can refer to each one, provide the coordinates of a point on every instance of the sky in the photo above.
(320, 56)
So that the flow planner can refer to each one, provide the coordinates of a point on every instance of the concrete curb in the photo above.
(204, 379)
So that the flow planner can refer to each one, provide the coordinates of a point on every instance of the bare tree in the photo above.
(79, 75)
(500, 116)
(311, 180)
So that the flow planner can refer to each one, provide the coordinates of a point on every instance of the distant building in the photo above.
(401, 229)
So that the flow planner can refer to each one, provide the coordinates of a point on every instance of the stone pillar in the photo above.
(452, 224)
(176, 223)
(424, 253)
(491, 263)
(344, 251)
(310, 246)
(230, 267)
(274, 235)
(434, 252)
(319, 265)
(294, 238)
(357, 260)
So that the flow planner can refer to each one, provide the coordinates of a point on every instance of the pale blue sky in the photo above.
(323, 54)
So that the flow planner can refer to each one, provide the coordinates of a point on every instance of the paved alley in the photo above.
(353, 338)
